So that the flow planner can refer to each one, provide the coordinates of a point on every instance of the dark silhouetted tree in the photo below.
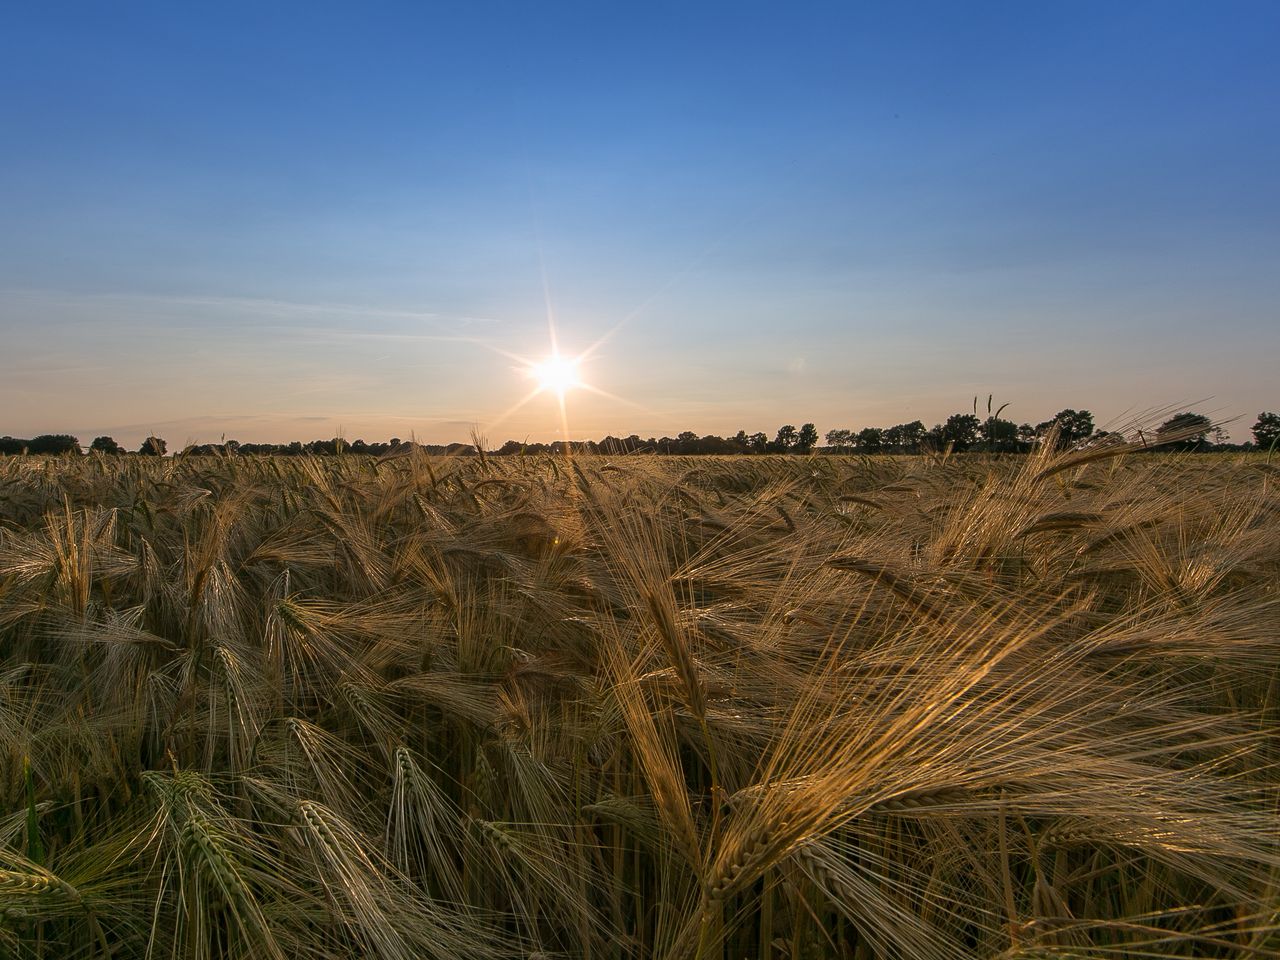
(905, 437)
(785, 440)
(869, 440)
(1000, 436)
(153, 447)
(1073, 426)
(806, 438)
(839, 440)
(997, 435)
(1185, 431)
(53, 443)
(105, 445)
(1266, 431)
(961, 431)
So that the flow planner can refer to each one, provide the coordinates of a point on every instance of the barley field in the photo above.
(772, 707)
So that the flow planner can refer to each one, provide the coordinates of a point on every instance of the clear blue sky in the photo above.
(280, 221)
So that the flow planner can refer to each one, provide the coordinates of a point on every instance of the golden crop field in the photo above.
(772, 707)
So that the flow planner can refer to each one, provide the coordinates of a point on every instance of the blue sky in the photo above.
(283, 221)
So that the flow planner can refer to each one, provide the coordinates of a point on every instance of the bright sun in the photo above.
(556, 374)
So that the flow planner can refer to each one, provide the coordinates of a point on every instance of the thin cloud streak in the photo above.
(246, 305)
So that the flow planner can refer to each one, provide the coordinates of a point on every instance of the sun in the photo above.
(557, 374)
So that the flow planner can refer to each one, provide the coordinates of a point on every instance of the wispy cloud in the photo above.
(251, 306)
(324, 335)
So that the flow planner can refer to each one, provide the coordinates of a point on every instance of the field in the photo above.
(784, 707)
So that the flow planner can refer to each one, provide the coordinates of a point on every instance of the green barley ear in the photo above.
(35, 849)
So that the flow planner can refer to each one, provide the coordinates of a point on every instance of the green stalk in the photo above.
(35, 848)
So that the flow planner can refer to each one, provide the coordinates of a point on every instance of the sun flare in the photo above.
(557, 374)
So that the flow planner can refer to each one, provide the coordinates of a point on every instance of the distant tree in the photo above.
(53, 443)
(11, 446)
(323, 448)
(997, 435)
(723, 445)
(961, 431)
(613, 446)
(759, 443)
(905, 437)
(1185, 431)
(806, 438)
(785, 440)
(1266, 431)
(153, 447)
(869, 440)
(225, 448)
(1026, 434)
(1073, 426)
(1000, 436)
(838, 440)
(105, 445)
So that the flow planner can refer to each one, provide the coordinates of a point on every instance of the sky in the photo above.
(295, 221)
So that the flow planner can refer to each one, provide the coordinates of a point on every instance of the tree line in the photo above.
(968, 432)
(961, 432)
(788, 439)
(58, 443)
